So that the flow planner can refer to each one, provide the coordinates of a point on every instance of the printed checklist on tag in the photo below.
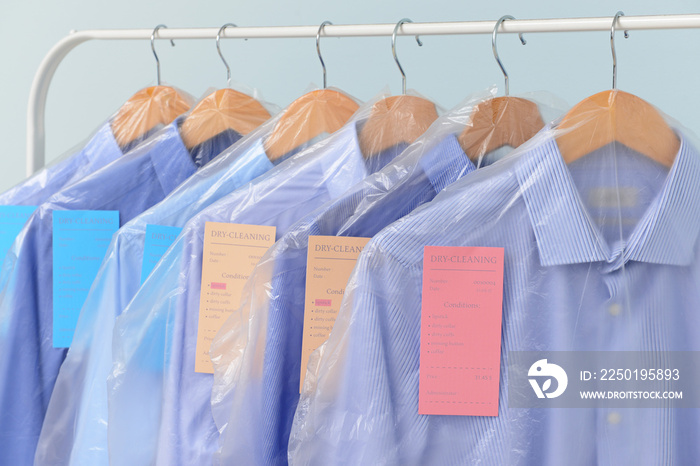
(231, 252)
(460, 348)
(330, 261)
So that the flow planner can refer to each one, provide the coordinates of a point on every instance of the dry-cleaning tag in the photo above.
(80, 241)
(231, 252)
(328, 267)
(460, 347)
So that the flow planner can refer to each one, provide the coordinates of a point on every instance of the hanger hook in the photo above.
(612, 45)
(221, 55)
(495, 48)
(318, 49)
(153, 48)
(393, 51)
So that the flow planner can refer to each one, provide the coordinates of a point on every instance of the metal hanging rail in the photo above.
(42, 79)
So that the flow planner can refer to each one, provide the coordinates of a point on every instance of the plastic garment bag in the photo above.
(257, 353)
(101, 149)
(29, 363)
(600, 255)
(98, 151)
(159, 408)
(75, 427)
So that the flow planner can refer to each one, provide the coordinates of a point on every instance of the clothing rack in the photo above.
(47, 68)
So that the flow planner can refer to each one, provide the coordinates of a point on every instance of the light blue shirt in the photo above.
(159, 408)
(257, 407)
(29, 363)
(99, 151)
(75, 430)
(581, 273)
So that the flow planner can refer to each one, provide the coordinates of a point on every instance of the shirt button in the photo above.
(615, 309)
(614, 418)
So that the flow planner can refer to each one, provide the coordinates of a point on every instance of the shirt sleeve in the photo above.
(75, 426)
(259, 355)
(348, 409)
(139, 355)
(28, 361)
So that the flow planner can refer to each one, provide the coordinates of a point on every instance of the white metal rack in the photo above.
(42, 78)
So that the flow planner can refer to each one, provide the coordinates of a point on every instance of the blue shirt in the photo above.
(571, 282)
(159, 408)
(257, 414)
(28, 362)
(99, 151)
(75, 429)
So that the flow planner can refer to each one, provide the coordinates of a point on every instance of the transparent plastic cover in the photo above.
(600, 240)
(159, 407)
(258, 352)
(99, 150)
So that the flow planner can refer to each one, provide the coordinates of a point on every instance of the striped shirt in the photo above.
(159, 408)
(29, 363)
(583, 271)
(75, 427)
(258, 417)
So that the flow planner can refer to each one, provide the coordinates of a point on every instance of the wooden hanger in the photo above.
(148, 108)
(501, 121)
(222, 110)
(320, 111)
(498, 122)
(395, 120)
(616, 116)
(398, 119)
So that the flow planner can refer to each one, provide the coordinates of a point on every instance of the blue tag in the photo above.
(80, 242)
(158, 240)
(12, 220)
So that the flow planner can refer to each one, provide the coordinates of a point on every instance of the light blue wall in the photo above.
(660, 66)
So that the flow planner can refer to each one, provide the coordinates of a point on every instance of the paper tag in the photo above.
(460, 347)
(12, 220)
(158, 239)
(231, 252)
(329, 264)
(80, 242)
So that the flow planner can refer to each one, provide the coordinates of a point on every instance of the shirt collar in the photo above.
(170, 158)
(565, 234)
(103, 147)
(246, 152)
(255, 153)
(341, 152)
(445, 163)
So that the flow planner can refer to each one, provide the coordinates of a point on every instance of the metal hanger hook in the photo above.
(221, 55)
(495, 48)
(393, 51)
(153, 48)
(318, 49)
(612, 45)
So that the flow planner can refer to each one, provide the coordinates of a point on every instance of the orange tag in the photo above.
(328, 267)
(231, 252)
(460, 341)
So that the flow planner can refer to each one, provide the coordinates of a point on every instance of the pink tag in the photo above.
(460, 342)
